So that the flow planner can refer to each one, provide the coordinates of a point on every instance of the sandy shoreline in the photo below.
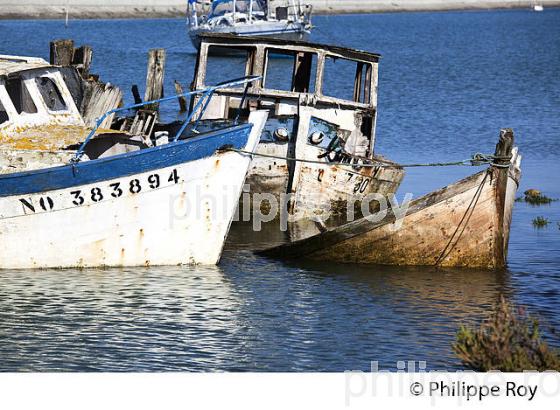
(96, 9)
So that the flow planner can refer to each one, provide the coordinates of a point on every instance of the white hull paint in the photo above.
(169, 221)
(284, 30)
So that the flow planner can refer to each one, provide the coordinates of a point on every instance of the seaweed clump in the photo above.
(509, 341)
(535, 197)
(540, 222)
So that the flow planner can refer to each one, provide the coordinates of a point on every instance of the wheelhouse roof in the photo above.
(232, 39)
(14, 64)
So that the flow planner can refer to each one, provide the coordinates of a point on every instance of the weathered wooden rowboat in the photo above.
(164, 204)
(309, 119)
(464, 224)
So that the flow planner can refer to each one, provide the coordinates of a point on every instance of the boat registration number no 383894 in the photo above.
(95, 193)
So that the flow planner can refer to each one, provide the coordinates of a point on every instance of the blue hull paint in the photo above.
(287, 34)
(87, 172)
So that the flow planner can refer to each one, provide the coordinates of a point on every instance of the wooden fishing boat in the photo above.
(309, 119)
(75, 199)
(464, 224)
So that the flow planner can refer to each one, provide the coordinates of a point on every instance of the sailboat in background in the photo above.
(291, 20)
(536, 6)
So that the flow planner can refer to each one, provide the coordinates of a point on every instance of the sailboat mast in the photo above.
(292, 2)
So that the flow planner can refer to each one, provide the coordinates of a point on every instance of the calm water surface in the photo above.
(448, 82)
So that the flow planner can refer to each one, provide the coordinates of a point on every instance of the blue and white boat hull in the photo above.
(287, 31)
(165, 205)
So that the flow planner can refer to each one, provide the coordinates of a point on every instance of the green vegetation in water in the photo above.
(509, 341)
(535, 197)
(540, 222)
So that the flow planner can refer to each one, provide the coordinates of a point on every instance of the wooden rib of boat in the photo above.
(465, 224)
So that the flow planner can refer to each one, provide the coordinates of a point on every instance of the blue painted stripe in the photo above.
(266, 32)
(251, 33)
(88, 172)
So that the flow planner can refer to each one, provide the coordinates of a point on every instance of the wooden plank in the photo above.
(82, 59)
(62, 52)
(154, 76)
(503, 150)
(182, 99)
(136, 94)
(98, 99)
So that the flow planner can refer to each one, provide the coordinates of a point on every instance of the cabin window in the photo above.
(3, 114)
(51, 94)
(226, 64)
(290, 71)
(346, 79)
(19, 94)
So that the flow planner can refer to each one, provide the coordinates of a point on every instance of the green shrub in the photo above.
(508, 341)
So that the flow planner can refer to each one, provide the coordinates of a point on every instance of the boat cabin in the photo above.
(32, 93)
(40, 123)
(338, 85)
(322, 108)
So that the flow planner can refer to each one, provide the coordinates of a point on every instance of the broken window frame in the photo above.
(58, 92)
(249, 61)
(303, 77)
(4, 117)
(363, 80)
(24, 84)
(255, 65)
(5, 103)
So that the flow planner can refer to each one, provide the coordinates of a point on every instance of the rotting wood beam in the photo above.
(182, 99)
(503, 151)
(136, 94)
(83, 56)
(154, 77)
(62, 52)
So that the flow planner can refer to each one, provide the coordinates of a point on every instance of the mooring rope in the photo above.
(477, 159)
(466, 218)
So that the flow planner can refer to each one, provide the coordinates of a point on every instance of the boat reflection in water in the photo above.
(248, 314)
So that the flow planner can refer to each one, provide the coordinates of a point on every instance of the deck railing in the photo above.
(206, 95)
